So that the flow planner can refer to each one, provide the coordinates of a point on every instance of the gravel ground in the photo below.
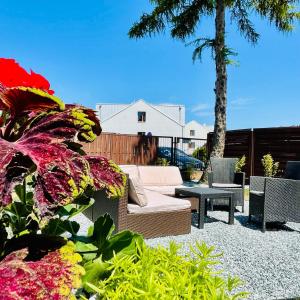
(268, 263)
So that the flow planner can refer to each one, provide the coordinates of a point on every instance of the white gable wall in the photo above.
(201, 130)
(126, 121)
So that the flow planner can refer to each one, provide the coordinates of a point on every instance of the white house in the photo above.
(194, 131)
(141, 117)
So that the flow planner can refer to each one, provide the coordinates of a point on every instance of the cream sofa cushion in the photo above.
(131, 170)
(158, 203)
(164, 189)
(159, 176)
(136, 191)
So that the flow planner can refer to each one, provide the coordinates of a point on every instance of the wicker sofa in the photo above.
(163, 214)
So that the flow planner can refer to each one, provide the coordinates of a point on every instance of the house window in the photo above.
(192, 145)
(192, 132)
(141, 116)
(141, 133)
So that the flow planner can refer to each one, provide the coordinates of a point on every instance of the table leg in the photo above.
(206, 207)
(201, 214)
(231, 211)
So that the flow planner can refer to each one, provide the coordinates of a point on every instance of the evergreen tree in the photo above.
(183, 17)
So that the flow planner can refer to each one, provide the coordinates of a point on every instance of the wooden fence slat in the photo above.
(283, 143)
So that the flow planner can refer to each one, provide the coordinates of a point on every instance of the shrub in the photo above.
(201, 153)
(240, 164)
(162, 162)
(161, 273)
(270, 167)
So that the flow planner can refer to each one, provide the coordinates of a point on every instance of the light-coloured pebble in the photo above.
(268, 263)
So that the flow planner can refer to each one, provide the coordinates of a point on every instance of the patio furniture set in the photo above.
(157, 203)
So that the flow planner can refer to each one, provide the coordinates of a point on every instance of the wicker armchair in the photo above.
(223, 176)
(276, 199)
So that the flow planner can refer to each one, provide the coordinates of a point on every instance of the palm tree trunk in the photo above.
(221, 82)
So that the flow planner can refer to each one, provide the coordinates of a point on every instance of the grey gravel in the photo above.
(268, 263)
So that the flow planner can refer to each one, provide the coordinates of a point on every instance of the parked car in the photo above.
(182, 160)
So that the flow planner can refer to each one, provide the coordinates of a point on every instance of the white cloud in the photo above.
(240, 103)
(202, 110)
(200, 107)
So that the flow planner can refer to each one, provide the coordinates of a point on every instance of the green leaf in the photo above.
(103, 228)
(37, 244)
(3, 237)
(88, 251)
(124, 242)
(95, 270)
(20, 191)
(58, 227)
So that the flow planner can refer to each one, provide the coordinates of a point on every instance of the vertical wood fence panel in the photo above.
(124, 148)
(283, 143)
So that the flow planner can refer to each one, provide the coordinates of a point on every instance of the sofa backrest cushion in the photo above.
(136, 191)
(131, 170)
(160, 175)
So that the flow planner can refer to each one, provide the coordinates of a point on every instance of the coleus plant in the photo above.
(52, 277)
(39, 137)
(45, 179)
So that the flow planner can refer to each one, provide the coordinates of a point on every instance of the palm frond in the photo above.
(202, 44)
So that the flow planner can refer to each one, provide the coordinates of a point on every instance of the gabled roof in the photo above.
(150, 105)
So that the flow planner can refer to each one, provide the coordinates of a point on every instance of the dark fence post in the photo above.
(172, 151)
(251, 156)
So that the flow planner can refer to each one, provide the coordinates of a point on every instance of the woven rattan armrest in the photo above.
(282, 188)
(257, 183)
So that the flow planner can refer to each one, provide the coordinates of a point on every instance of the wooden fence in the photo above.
(283, 143)
(124, 148)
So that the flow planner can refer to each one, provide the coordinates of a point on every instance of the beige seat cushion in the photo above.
(226, 185)
(131, 170)
(136, 191)
(159, 176)
(164, 189)
(159, 203)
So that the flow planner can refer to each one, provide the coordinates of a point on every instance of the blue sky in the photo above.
(82, 48)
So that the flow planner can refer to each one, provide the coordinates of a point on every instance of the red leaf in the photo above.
(13, 75)
(62, 174)
(52, 277)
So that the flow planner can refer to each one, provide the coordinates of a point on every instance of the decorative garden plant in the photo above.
(46, 179)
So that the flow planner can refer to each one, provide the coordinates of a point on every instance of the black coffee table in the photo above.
(207, 193)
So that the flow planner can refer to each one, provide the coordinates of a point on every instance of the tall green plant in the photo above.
(270, 167)
(240, 164)
(183, 17)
